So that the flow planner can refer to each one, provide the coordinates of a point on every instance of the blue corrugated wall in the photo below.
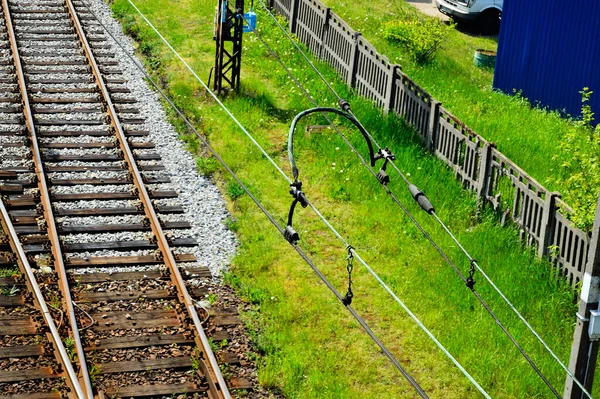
(550, 50)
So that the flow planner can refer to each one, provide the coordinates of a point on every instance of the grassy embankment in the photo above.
(526, 135)
(312, 348)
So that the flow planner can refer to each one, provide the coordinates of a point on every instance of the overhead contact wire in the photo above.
(413, 220)
(358, 318)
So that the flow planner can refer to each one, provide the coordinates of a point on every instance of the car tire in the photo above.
(489, 22)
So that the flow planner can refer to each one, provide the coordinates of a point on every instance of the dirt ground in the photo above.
(427, 7)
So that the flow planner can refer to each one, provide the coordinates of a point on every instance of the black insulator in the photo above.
(383, 177)
(344, 104)
(291, 235)
(421, 199)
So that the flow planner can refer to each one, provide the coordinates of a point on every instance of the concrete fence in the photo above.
(477, 164)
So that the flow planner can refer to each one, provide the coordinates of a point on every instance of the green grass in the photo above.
(310, 346)
(526, 135)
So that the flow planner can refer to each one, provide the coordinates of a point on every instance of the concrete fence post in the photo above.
(584, 351)
(294, 15)
(390, 89)
(432, 127)
(351, 80)
(324, 31)
(485, 171)
(547, 223)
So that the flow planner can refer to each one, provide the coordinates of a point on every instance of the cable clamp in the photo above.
(470, 280)
(297, 194)
(289, 233)
(387, 155)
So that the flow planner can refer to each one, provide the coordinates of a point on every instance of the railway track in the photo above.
(86, 195)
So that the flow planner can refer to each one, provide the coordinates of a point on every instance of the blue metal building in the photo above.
(550, 50)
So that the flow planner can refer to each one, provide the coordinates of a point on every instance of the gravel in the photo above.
(139, 268)
(86, 204)
(99, 220)
(88, 188)
(105, 237)
(99, 175)
(107, 253)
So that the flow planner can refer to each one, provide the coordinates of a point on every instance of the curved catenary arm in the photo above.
(346, 115)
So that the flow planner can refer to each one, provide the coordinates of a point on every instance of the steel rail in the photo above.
(216, 382)
(52, 230)
(33, 286)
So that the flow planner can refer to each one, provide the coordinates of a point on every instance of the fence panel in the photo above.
(527, 197)
(459, 147)
(338, 43)
(570, 247)
(283, 7)
(412, 103)
(310, 25)
(372, 73)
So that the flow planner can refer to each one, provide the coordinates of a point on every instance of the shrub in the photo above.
(420, 36)
(581, 173)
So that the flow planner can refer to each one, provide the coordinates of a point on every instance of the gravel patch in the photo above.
(78, 139)
(82, 163)
(103, 174)
(88, 188)
(14, 140)
(86, 204)
(99, 220)
(108, 253)
(14, 151)
(139, 268)
(105, 237)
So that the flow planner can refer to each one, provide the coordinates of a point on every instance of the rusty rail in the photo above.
(32, 284)
(47, 205)
(216, 382)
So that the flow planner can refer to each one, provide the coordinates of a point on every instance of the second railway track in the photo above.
(85, 191)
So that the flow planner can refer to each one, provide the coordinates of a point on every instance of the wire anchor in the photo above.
(289, 233)
(386, 154)
(347, 299)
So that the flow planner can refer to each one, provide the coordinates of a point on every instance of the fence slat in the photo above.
(547, 221)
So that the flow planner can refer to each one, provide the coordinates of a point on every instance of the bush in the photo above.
(581, 173)
(420, 36)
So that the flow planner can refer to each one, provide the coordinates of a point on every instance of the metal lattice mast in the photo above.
(228, 36)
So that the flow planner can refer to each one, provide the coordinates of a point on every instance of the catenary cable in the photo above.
(444, 226)
(359, 319)
(486, 307)
(368, 268)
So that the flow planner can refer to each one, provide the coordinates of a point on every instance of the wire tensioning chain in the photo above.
(347, 300)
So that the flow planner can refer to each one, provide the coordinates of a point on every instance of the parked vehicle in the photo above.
(485, 13)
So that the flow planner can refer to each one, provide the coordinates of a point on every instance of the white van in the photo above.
(485, 13)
